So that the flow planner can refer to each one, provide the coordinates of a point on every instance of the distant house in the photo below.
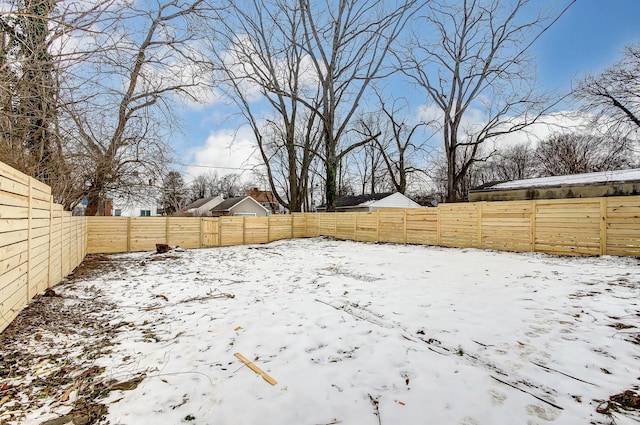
(140, 208)
(202, 206)
(588, 185)
(240, 205)
(267, 199)
(371, 202)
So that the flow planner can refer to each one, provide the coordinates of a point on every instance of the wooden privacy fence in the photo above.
(40, 243)
(593, 226)
(129, 234)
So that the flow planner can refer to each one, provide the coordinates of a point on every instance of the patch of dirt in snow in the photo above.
(48, 358)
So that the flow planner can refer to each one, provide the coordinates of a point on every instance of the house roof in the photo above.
(567, 180)
(261, 195)
(357, 200)
(197, 204)
(227, 204)
(377, 200)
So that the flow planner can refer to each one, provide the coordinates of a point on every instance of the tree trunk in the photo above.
(332, 174)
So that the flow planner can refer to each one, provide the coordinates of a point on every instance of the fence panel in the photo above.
(256, 230)
(108, 234)
(367, 227)
(210, 232)
(506, 225)
(231, 231)
(299, 225)
(391, 226)
(345, 227)
(622, 226)
(458, 225)
(280, 227)
(183, 231)
(568, 227)
(422, 226)
(327, 224)
(31, 234)
(313, 224)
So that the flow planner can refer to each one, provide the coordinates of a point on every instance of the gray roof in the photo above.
(354, 200)
(227, 204)
(197, 204)
(602, 177)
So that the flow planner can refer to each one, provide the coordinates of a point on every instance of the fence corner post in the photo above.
(201, 220)
(438, 238)
(50, 241)
(479, 214)
(29, 235)
(532, 226)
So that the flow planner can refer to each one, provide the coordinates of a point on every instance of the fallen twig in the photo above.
(376, 407)
(527, 392)
(357, 316)
(562, 373)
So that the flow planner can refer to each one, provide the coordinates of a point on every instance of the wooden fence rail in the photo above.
(593, 226)
(40, 243)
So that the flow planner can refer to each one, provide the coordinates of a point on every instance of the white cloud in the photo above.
(225, 151)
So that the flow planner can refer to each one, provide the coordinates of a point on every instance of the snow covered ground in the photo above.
(359, 333)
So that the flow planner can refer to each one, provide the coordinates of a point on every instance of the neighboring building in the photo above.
(267, 199)
(588, 185)
(202, 206)
(370, 203)
(240, 205)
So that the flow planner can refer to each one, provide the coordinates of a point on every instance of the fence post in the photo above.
(244, 230)
(378, 226)
(128, 234)
(29, 231)
(201, 220)
(50, 241)
(292, 225)
(479, 214)
(269, 228)
(219, 231)
(166, 229)
(532, 226)
(404, 226)
(603, 226)
(438, 242)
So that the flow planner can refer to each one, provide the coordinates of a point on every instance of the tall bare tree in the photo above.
(569, 153)
(614, 95)
(174, 193)
(120, 117)
(348, 43)
(260, 60)
(399, 142)
(27, 89)
(476, 74)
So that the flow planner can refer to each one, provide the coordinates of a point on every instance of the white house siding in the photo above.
(395, 200)
(248, 206)
(205, 208)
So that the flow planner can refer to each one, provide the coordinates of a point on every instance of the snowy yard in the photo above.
(353, 333)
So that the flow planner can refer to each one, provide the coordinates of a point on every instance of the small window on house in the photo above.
(145, 213)
(117, 212)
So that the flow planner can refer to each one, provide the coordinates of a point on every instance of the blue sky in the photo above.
(588, 38)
